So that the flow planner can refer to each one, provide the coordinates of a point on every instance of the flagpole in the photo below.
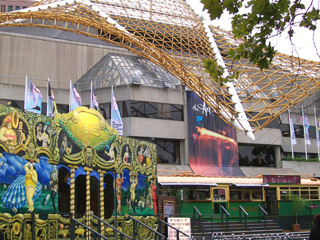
(304, 133)
(91, 106)
(25, 92)
(70, 89)
(111, 104)
(292, 153)
(48, 97)
(317, 131)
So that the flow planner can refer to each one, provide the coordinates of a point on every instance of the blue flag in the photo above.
(32, 98)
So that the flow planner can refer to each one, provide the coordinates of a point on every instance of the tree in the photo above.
(258, 21)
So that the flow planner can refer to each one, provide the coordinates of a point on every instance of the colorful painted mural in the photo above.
(75, 164)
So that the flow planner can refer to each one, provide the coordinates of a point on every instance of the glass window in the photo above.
(168, 150)
(17, 7)
(259, 155)
(257, 194)
(246, 193)
(235, 194)
(10, 8)
(219, 194)
(304, 192)
(200, 193)
(156, 110)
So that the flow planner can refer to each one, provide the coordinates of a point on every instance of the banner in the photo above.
(116, 120)
(93, 99)
(213, 149)
(292, 132)
(317, 121)
(32, 98)
(74, 99)
(51, 104)
(306, 127)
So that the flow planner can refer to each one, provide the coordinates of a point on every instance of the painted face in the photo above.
(32, 150)
(89, 154)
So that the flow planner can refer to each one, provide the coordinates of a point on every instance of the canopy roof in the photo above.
(169, 34)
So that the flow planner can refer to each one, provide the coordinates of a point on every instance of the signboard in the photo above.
(183, 224)
(282, 179)
(313, 206)
(168, 208)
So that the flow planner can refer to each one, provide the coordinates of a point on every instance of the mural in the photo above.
(213, 149)
(72, 163)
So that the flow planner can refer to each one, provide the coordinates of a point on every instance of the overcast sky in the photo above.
(302, 40)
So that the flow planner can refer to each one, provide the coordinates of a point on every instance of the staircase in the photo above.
(206, 229)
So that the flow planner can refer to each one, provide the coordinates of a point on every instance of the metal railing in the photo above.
(241, 210)
(224, 211)
(177, 230)
(264, 212)
(72, 226)
(116, 231)
(135, 221)
(196, 212)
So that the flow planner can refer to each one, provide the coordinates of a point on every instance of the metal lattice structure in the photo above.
(170, 34)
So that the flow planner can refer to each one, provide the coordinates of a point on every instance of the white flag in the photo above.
(74, 98)
(292, 133)
(93, 99)
(32, 98)
(306, 126)
(116, 120)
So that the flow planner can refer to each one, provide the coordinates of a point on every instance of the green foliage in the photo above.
(216, 72)
(258, 22)
(298, 203)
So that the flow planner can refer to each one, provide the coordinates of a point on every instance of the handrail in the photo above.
(261, 209)
(224, 211)
(244, 211)
(109, 225)
(86, 227)
(137, 221)
(196, 211)
(241, 209)
(178, 231)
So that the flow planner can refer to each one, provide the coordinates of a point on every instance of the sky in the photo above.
(302, 39)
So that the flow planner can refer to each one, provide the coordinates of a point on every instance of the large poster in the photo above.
(213, 149)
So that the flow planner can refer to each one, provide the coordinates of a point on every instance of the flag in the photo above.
(292, 133)
(306, 127)
(74, 98)
(317, 121)
(116, 121)
(317, 128)
(93, 99)
(51, 104)
(32, 98)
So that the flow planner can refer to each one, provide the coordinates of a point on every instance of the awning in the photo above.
(187, 184)
(250, 184)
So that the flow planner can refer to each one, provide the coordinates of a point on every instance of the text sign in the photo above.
(314, 206)
(183, 224)
(281, 179)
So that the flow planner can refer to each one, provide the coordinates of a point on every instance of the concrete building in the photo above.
(12, 5)
(153, 108)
